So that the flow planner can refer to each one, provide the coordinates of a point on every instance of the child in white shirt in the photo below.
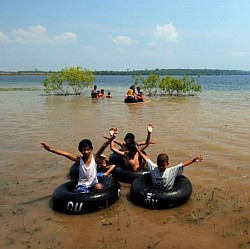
(163, 176)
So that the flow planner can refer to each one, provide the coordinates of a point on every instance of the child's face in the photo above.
(162, 166)
(128, 140)
(86, 151)
(102, 163)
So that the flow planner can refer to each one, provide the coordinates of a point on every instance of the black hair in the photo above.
(85, 143)
(131, 146)
(132, 87)
(129, 136)
(162, 158)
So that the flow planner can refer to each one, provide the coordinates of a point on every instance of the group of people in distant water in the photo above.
(134, 94)
(131, 93)
(99, 94)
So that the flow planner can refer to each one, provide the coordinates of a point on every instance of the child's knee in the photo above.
(98, 186)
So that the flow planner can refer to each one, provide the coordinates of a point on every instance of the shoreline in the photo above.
(171, 72)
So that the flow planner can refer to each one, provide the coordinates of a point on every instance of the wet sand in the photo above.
(216, 216)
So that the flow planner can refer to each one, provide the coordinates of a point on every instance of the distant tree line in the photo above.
(177, 72)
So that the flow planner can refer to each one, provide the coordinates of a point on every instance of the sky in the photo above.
(124, 34)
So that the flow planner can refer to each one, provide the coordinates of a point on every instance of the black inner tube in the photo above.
(144, 194)
(65, 200)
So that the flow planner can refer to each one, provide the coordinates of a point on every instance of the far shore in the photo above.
(176, 72)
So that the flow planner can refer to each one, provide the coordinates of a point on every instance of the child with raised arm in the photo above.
(87, 163)
(130, 156)
(163, 176)
(130, 137)
(104, 167)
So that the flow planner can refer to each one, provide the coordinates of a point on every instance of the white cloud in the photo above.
(123, 40)
(3, 37)
(166, 32)
(67, 36)
(32, 34)
(39, 34)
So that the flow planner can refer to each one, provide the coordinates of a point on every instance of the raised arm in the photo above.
(112, 146)
(145, 157)
(150, 129)
(113, 132)
(59, 152)
(151, 142)
(197, 159)
(115, 141)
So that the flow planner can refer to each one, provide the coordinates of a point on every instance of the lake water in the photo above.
(215, 123)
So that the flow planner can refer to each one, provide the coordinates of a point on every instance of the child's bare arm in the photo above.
(150, 129)
(111, 168)
(59, 152)
(115, 150)
(143, 143)
(115, 141)
(197, 159)
(141, 154)
(113, 132)
(112, 146)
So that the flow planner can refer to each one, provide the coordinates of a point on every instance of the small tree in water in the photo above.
(77, 78)
(150, 84)
(153, 84)
(54, 83)
(74, 77)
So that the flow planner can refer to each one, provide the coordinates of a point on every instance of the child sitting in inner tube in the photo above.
(139, 92)
(131, 92)
(109, 95)
(130, 137)
(163, 176)
(130, 156)
(87, 163)
(104, 168)
(101, 94)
